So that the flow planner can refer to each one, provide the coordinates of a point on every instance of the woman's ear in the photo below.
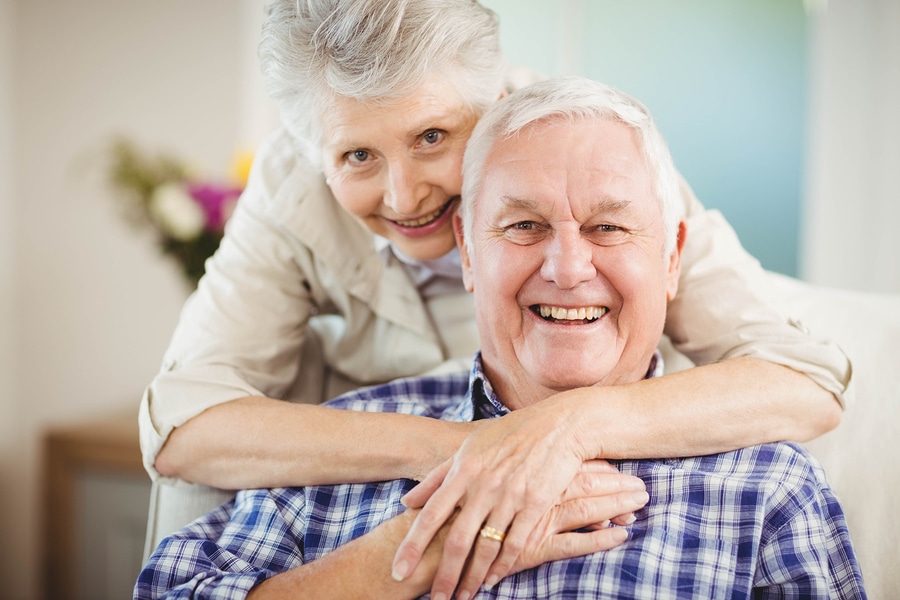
(464, 257)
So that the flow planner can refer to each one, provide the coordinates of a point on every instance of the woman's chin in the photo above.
(424, 248)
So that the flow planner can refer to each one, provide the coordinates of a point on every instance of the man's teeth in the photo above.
(572, 314)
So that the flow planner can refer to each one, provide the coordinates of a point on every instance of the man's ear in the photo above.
(464, 257)
(675, 261)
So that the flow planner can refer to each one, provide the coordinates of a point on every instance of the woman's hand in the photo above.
(507, 474)
(597, 497)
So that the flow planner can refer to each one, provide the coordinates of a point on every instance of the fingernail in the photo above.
(630, 519)
(463, 596)
(491, 581)
(399, 572)
(640, 497)
(439, 596)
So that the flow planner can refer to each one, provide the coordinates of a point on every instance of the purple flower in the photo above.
(216, 200)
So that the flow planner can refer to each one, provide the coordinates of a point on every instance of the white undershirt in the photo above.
(432, 277)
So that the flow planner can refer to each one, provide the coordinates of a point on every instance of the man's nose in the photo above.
(405, 189)
(568, 261)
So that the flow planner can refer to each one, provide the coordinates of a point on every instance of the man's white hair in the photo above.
(375, 51)
(571, 98)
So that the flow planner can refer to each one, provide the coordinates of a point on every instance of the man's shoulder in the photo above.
(765, 463)
(427, 396)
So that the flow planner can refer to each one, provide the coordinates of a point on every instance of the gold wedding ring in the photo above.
(492, 534)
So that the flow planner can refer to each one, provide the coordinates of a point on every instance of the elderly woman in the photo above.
(338, 270)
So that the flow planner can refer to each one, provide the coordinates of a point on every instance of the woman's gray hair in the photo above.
(571, 98)
(375, 51)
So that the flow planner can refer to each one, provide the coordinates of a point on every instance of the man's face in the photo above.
(568, 262)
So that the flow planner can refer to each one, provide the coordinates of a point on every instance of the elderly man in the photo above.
(571, 240)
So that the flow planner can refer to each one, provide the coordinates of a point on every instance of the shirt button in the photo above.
(798, 324)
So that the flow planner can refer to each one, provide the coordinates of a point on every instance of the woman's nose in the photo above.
(405, 189)
(568, 261)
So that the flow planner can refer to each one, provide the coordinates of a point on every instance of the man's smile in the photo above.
(558, 314)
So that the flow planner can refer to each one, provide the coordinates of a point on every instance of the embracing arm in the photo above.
(270, 443)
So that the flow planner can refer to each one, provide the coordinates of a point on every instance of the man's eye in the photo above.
(525, 226)
(606, 234)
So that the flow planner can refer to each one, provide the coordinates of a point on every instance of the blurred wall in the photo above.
(725, 81)
(9, 439)
(853, 205)
(94, 302)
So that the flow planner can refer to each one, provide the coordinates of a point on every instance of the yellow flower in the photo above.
(240, 167)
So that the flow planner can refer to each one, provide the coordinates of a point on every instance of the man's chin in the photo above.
(561, 382)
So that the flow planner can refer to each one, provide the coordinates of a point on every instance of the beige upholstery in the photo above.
(172, 507)
(862, 457)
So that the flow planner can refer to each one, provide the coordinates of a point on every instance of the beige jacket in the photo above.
(297, 304)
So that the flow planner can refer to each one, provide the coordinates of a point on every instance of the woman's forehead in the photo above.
(352, 123)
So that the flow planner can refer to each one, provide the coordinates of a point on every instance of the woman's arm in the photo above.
(259, 442)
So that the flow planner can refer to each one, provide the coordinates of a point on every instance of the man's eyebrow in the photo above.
(520, 203)
(608, 204)
(603, 205)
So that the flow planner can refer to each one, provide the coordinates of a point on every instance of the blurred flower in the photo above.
(240, 167)
(176, 213)
(187, 214)
(216, 202)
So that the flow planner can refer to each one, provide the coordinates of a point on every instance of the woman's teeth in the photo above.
(425, 220)
(590, 313)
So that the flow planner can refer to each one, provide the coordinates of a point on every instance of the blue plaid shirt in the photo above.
(759, 522)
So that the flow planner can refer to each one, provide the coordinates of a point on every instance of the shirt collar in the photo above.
(482, 403)
(439, 276)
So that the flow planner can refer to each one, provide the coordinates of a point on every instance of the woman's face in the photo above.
(397, 167)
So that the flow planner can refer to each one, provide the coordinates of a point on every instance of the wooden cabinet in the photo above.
(96, 497)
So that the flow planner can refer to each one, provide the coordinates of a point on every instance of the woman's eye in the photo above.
(431, 137)
(358, 156)
(525, 226)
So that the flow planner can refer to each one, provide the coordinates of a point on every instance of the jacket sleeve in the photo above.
(241, 332)
(726, 306)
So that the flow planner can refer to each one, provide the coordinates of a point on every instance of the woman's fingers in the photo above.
(464, 536)
(488, 542)
(568, 530)
(600, 483)
(437, 510)
(583, 512)
(419, 495)
(569, 545)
